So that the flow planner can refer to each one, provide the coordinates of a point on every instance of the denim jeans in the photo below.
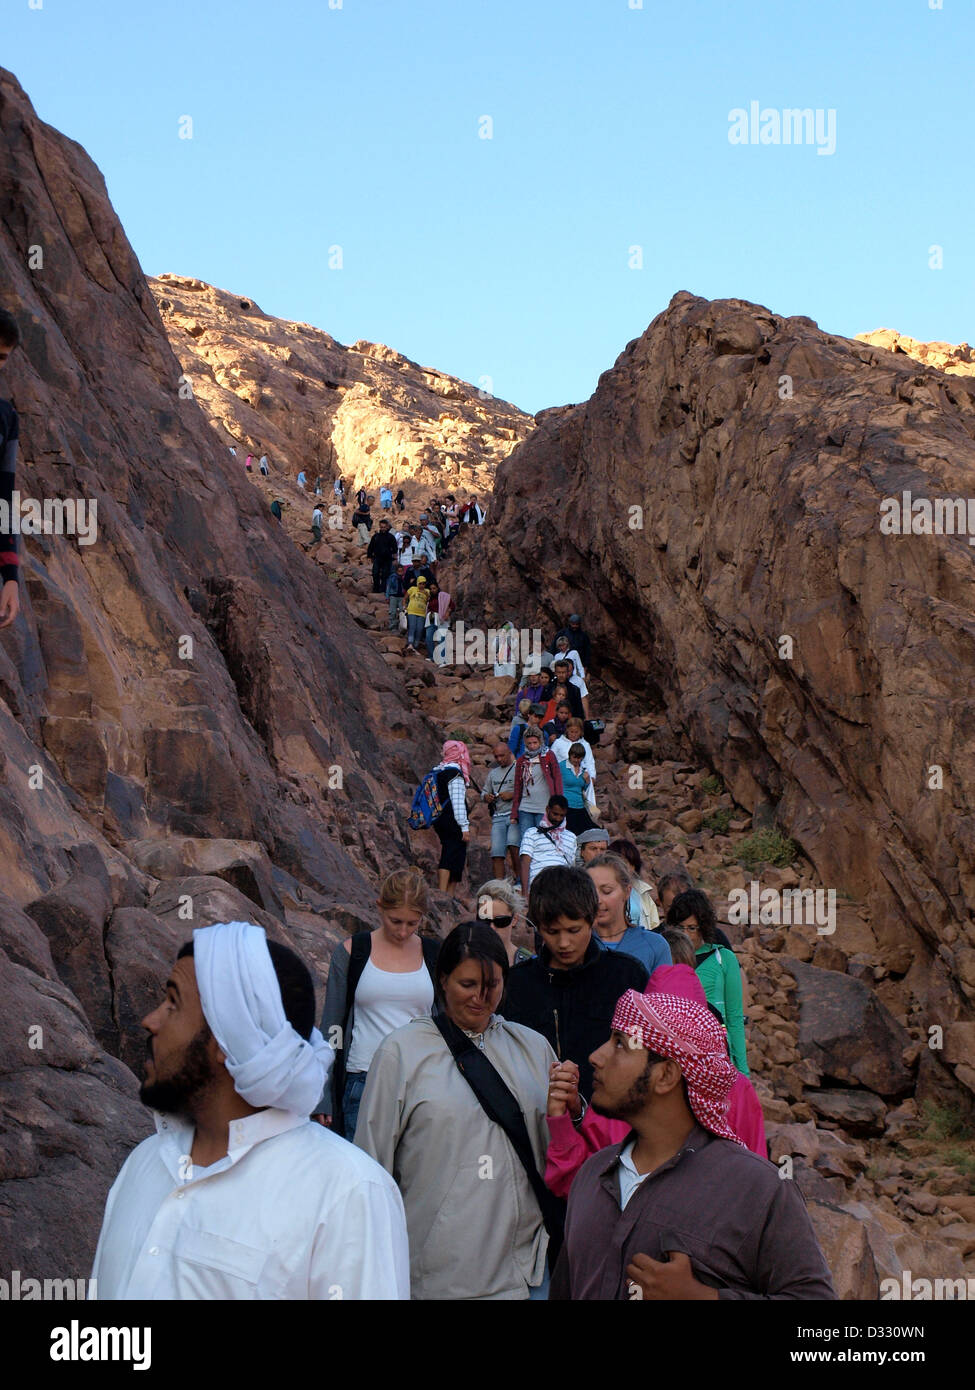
(528, 820)
(415, 623)
(395, 604)
(355, 1084)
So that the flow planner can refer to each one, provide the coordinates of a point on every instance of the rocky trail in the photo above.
(835, 1054)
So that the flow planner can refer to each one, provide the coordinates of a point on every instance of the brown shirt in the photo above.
(746, 1230)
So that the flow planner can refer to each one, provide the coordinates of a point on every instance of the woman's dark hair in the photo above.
(294, 981)
(562, 892)
(544, 672)
(627, 850)
(471, 941)
(694, 903)
(9, 329)
(577, 751)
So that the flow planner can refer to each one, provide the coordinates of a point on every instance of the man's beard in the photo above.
(176, 1094)
(634, 1100)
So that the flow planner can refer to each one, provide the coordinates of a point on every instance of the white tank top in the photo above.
(385, 1000)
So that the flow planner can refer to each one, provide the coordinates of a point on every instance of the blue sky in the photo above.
(507, 258)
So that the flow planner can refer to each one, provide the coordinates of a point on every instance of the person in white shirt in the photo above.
(573, 734)
(549, 843)
(239, 1195)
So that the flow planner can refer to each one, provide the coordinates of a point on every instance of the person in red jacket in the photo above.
(576, 1131)
(537, 777)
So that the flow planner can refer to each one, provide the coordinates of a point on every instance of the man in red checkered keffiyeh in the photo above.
(667, 1025)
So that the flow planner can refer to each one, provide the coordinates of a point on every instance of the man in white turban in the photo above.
(239, 1194)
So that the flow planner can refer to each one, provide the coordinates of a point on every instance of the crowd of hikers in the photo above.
(553, 1102)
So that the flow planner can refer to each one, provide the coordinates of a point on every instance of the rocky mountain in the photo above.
(721, 513)
(191, 724)
(365, 412)
(954, 358)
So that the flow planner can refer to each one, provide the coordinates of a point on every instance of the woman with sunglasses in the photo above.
(503, 907)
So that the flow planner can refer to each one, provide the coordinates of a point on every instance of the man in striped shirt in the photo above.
(547, 845)
(9, 434)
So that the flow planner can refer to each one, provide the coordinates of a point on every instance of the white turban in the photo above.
(270, 1062)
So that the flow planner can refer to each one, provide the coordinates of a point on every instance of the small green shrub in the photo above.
(767, 847)
(712, 786)
(718, 821)
(943, 1122)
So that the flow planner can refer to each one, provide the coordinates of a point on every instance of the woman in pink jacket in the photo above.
(537, 777)
(571, 1142)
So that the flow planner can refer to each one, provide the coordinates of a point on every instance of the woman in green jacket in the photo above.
(717, 967)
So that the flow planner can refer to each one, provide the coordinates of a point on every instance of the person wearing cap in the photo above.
(417, 598)
(592, 843)
(576, 1130)
(238, 1195)
(680, 1209)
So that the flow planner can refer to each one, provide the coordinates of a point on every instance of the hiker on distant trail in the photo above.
(338, 487)
(276, 509)
(401, 500)
(578, 789)
(569, 990)
(386, 497)
(576, 674)
(9, 439)
(382, 552)
(557, 727)
(316, 525)
(233, 450)
(318, 486)
(578, 640)
(670, 886)
(239, 1195)
(643, 909)
(615, 929)
(416, 613)
(503, 652)
(362, 522)
(574, 734)
(377, 981)
(679, 1210)
(262, 464)
(567, 688)
(551, 842)
(452, 827)
(717, 967)
(361, 497)
(472, 513)
(443, 1131)
(576, 1132)
(395, 593)
(302, 480)
(248, 464)
(503, 907)
(498, 793)
(537, 777)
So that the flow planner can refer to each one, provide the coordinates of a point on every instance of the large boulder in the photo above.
(242, 863)
(847, 1033)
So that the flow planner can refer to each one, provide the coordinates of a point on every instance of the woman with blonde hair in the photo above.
(503, 907)
(614, 927)
(377, 981)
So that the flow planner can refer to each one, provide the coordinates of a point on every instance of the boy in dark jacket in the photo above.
(568, 992)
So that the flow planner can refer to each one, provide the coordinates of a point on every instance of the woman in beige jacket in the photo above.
(474, 1224)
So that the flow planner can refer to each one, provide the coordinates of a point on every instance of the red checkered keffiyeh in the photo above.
(687, 1033)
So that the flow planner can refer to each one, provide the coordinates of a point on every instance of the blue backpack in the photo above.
(426, 807)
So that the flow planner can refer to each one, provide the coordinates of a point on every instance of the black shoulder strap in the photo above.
(500, 1106)
(430, 945)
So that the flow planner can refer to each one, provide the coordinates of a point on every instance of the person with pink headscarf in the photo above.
(452, 825)
(680, 1209)
(572, 1140)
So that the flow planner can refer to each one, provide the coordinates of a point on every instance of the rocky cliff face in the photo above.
(715, 513)
(365, 412)
(191, 725)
